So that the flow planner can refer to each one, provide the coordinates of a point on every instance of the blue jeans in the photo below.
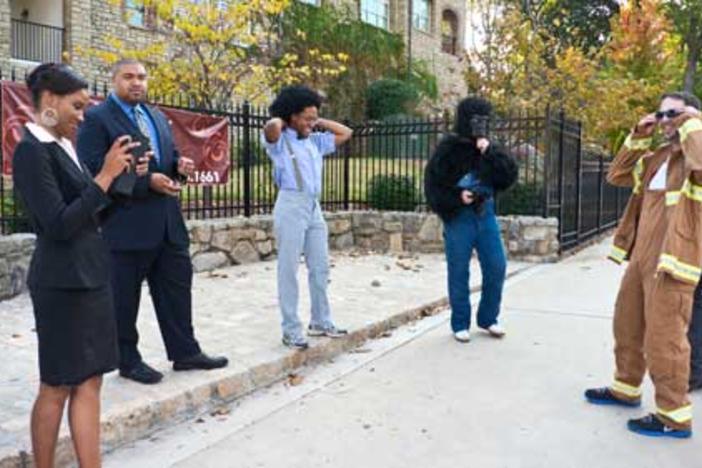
(467, 231)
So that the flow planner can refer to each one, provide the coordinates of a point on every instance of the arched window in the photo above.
(449, 32)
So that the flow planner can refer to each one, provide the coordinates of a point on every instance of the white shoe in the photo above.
(463, 336)
(496, 331)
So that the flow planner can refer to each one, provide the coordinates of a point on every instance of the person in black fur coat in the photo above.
(461, 179)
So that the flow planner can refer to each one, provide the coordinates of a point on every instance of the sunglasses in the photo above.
(670, 113)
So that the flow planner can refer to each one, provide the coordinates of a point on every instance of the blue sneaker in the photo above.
(604, 396)
(330, 331)
(651, 426)
(296, 342)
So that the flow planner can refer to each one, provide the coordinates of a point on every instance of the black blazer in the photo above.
(63, 204)
(148, 218)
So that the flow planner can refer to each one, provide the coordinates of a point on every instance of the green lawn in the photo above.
(360, 172)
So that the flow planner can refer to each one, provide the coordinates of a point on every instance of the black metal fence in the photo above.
(36, 42)
(382, 168)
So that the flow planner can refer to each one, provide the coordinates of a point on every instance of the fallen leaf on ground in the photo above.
(217, 274)
(221, 412)
(295, 379)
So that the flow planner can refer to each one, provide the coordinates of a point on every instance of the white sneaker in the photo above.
(496, 331)
(463, 336)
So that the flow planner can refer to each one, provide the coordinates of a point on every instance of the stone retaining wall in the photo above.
(15, 253)
(218, 243)
(222, 242)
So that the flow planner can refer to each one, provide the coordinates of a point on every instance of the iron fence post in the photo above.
(600, 193)
(578, 183)
(561, 174)
(547, 160)
(346, 152)
(246, 153)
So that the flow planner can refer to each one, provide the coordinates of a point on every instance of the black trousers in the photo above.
(695, 336)
(169, 273)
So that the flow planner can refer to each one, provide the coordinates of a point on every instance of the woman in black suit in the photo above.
(69, 272)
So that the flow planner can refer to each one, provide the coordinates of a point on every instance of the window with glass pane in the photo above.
(135, 13)
(421, 10)
(376, 12)
(449, 32)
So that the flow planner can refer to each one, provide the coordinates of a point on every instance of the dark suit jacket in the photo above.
(63, 205)
(148, 218)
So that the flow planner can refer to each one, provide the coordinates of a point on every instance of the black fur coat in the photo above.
(452, 159)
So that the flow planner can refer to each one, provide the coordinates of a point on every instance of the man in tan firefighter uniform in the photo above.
(661, 235)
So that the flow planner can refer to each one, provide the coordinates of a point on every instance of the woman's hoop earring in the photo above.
(49, 117)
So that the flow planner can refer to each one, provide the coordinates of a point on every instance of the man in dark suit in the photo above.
(145, 227)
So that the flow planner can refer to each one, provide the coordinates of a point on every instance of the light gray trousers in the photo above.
(300, 229)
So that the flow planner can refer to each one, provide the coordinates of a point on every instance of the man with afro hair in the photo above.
(297, 139)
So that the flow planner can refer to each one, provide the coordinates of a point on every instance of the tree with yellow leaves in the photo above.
(608, 89)
(213, 52)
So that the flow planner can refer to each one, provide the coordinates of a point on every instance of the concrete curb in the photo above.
(138, 419)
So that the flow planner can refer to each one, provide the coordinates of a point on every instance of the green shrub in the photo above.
(14, 217)
(521, 199)
(390, 97)
(392, 192)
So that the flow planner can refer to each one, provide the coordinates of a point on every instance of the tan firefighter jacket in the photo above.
(635, 166)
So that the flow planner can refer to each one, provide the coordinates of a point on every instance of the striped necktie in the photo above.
(144, 128)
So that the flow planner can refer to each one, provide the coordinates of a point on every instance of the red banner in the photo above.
(201, 137)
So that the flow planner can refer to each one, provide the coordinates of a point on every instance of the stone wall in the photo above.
(15, 253)
(222, 242)
(426, 45)
(5, 34)
(218, 243)
(91, 26)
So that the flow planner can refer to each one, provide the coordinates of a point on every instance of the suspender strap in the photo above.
(296, 167)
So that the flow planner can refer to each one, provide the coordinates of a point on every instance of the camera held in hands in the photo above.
(481, 192)
(123, 186)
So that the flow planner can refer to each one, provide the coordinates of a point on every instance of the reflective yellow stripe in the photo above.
(626, 389)
(638, 172)
(675, 267)
(692, 125)
(672, 198)
(617, 254)
(638, 143)
(692, 191)
(680, 415)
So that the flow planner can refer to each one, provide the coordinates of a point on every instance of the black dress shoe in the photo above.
(200, 361)
(142, 373)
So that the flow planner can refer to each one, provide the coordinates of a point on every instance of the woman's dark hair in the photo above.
(466, 109)
(58, 78)
(293, 100)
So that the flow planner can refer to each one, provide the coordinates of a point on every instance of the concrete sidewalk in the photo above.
(420, 399)
(236, 315)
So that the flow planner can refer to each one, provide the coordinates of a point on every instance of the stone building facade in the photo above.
(32, 31)
(437, 35)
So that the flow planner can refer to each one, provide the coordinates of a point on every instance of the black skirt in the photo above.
(77, 334)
